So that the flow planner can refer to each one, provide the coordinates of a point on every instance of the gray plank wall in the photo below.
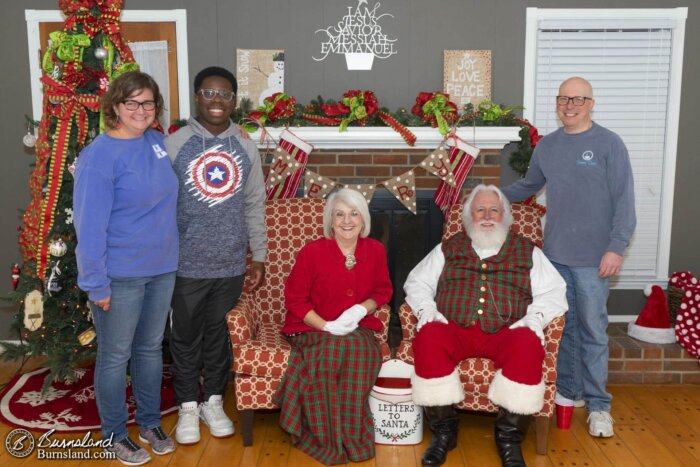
(423, 28)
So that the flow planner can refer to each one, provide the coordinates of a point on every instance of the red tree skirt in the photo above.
(66, 407)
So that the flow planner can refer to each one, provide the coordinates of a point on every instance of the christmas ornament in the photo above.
(58, 247)
(15, 276)
(29, 139)
(100, 53)
(86, 337)
(54, 284)
(33, 310)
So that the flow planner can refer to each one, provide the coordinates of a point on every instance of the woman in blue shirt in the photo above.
(124, 202)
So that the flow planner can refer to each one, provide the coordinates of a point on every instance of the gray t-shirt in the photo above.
(590, 194)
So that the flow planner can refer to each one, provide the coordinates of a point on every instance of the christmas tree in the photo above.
(80, 62)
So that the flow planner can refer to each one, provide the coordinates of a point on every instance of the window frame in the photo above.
(178, 16)
(675, 15)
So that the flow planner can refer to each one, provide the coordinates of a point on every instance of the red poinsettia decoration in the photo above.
(437, 109)
(277, 106)
(356, 105)
(535, 136)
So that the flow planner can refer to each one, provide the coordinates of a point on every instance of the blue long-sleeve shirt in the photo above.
(124, 211)
(590, 194)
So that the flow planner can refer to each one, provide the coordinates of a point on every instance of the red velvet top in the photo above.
(319, 281)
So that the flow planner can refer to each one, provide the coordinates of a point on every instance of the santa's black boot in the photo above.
(443, 422)
(510, 432)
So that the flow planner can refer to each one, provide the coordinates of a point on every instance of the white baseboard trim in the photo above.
(15, 342)
(621, 318)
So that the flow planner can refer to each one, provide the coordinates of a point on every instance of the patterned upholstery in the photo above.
(477, 373)
(260, 352)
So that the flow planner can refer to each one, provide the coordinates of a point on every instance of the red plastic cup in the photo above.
(564, 414)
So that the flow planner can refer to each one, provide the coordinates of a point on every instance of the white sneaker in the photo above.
(600, 424)
(187, 430)
(212, 413)
(579, 403)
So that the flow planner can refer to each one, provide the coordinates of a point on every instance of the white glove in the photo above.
(428, 315)
(534, 322)
(340, 328)
(354, 314)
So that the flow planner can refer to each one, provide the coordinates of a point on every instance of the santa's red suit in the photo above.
(482, 293)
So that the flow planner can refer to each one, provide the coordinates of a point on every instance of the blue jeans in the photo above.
(582, 366)
(131, 329)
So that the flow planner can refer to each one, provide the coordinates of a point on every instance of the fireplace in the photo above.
(370, 155)
(406, 237)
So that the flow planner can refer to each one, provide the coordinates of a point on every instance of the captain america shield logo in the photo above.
(214, 176)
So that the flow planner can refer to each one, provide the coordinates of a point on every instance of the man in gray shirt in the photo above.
(590, 219)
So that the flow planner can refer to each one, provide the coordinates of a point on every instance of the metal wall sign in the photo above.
(358, 35)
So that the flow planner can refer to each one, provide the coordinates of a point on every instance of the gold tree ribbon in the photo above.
(108, 22)
(67, 107)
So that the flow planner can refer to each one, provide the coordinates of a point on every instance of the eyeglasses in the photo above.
(210, 94)
(131, 104)
(577, 100)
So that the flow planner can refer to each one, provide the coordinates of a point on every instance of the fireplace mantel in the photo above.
(386, 138)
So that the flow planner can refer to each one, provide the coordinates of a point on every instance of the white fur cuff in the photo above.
(446, 390)
(523, 399)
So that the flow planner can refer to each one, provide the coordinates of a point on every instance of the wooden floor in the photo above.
(655, 426)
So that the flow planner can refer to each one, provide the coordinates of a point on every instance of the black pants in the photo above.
(199, 335)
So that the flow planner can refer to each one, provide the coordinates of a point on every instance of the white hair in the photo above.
(354, 200)
(467, 211)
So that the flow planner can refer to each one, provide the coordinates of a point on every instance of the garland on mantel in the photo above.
(430, 109)
(451, 161)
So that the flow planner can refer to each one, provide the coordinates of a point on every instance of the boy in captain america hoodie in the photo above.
(220, 213)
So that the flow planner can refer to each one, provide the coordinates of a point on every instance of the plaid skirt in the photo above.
(324, 395)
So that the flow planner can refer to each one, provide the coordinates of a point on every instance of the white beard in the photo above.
(487, 239)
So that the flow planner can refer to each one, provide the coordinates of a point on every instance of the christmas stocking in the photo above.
(462, 157)
(300, 150)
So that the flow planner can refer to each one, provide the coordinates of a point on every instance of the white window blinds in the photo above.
(629, 64)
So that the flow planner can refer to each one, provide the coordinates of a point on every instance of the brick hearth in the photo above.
(637, 362)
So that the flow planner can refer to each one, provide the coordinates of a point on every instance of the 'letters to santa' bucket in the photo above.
(397, 420)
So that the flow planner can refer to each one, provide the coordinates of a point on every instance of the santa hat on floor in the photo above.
(654, 322)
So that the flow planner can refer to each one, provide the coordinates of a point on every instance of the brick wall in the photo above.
(635, 362)
(377, 165)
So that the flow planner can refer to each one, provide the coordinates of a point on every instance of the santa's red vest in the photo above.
(494, 292)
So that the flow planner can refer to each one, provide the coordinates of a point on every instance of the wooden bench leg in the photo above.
(542, 433)
(246, 418)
